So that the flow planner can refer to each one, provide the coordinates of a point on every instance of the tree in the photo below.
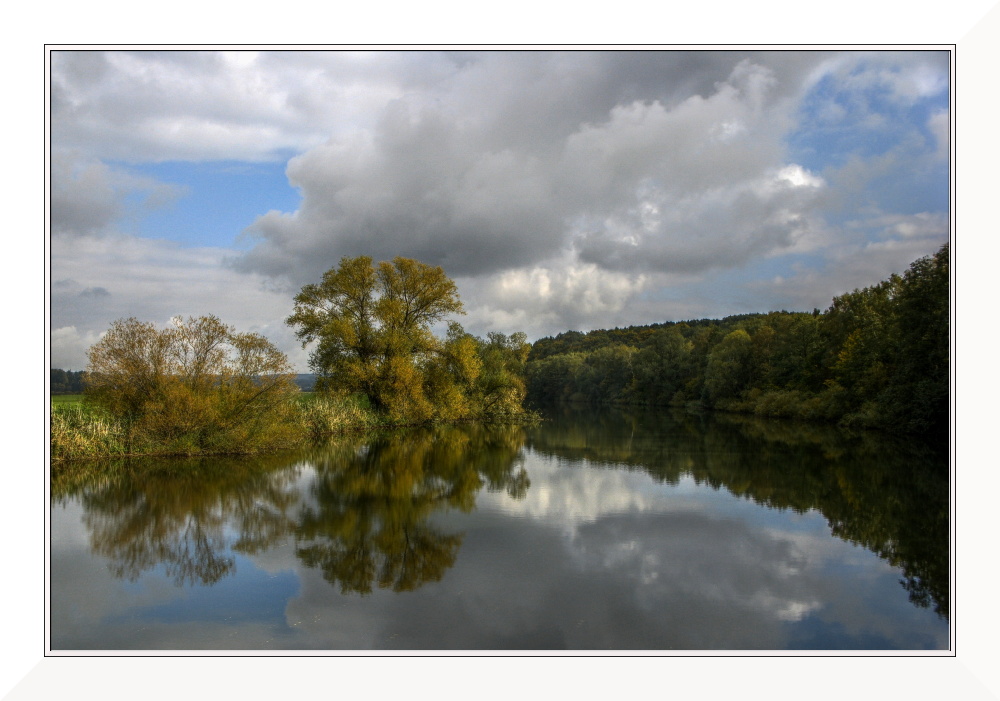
(555, 377)
(662, 366)
(610, 373)
(500, 388)
(197, 385)
(372, 329)
(919, 391)
(730, 367)
(797, 359)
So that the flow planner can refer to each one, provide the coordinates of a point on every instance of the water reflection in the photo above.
(890, 496)
(361, 510)
(174, 514)
(361, 515)
(371, 501)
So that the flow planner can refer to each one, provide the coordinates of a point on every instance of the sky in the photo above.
(560, 189)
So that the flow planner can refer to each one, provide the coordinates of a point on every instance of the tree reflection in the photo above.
(887, 495)
(370, 520)
(358, 508)
(174, 514)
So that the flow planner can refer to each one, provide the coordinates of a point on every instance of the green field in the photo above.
(69, 399)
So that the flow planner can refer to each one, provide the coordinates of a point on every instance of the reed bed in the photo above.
(325, 416)
(81, 431)
(78, 431)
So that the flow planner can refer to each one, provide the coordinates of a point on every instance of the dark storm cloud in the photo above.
(512, 158)
(418, 187)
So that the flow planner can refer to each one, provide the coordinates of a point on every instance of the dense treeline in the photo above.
(65, 381)
(877, 357)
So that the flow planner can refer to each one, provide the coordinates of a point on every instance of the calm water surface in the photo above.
(595, 530)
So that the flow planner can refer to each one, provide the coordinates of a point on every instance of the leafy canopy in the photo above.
(372, 330)
(198, 384)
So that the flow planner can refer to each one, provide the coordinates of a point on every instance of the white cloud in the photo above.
(813, 283)
(546, 299)
(69, 347)
(931, 226)
(203, 105)
(939, 125)
(155, 280)
(643, 185)
(901, 75)
(796, 176)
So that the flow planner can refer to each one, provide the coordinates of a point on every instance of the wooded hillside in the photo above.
(877, 357)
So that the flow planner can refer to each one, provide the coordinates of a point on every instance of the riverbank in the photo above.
(80, 432)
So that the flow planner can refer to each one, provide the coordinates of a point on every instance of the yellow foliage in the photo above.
(371, 326)
(198, 386)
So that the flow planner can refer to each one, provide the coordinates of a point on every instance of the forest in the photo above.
(878, 357)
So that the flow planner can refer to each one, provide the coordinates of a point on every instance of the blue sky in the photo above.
(215, 201)
(560, 189)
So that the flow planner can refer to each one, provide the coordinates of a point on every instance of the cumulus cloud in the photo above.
(89, 197)
(559, 213)
(99, 280)
(141, 106)
(564, 294)
(653, 181)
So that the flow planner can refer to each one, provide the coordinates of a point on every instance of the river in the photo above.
(595, 530)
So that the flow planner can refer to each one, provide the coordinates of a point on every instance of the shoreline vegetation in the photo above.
(80, 430)
(199, 387)
(84, 430)
(877, 358)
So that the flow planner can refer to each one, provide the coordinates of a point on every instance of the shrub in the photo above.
(331, 414)
(195, 387)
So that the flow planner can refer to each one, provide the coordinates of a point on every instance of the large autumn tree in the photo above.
(372, 330)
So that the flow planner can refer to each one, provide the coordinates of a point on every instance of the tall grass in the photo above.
(328, 415)
(78, 431)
